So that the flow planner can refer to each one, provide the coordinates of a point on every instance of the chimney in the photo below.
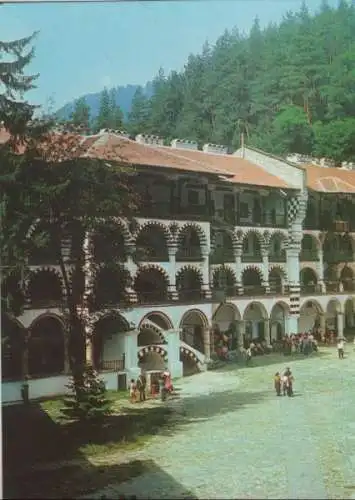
(184, 144)
(149, 140)
(215, 148)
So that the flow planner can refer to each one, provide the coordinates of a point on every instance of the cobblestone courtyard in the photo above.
(233, 438)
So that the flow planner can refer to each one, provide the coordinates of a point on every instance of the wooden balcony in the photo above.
(189, 254)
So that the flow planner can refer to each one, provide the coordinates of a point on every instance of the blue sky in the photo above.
(83, 47)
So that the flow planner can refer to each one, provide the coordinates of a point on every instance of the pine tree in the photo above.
(80, 117)
(138, 117)
(87, 401)
(116, 119)
(103, 119)
(14, 57)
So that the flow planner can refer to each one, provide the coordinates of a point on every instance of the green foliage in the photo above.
(88, 400)
(335, 139)
(138, 119)
(81, 114)
(275, 84)
(110, 114)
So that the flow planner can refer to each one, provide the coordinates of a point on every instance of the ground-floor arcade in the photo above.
(180, 338)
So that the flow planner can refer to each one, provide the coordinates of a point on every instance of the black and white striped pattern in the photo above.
(153, 348)
(294, 300)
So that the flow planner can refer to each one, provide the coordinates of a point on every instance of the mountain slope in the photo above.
(124, 99)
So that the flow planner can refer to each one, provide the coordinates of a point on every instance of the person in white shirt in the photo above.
(340, 347)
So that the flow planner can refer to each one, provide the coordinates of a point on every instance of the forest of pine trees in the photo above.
(289, 87)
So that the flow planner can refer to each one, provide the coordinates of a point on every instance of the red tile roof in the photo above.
(238, 170)
(330, 180)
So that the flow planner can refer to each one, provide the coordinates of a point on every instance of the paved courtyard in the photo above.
(233, 438)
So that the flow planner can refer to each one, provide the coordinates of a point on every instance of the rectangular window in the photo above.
(244, 210)
(193, 197)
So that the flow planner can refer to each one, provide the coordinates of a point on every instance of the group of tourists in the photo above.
(284, 383)
(301, 343)
(160, 383)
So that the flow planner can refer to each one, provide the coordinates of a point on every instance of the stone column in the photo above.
(206, 274)
(293, 270)
(265, 259)
(340, 324)
(207, 342)
(89, 351)
(25, 367)
(132, 269)
(131, 354)
(267, 331)
(238, 268)
(175, 366)
(322, 324)
(172, 272)
(241, 334)
(66, 353)
(320, 271)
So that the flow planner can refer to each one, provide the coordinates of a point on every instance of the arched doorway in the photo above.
(331, 315)
(189, 284)
(193, 325)
(309, 249)
(278, 318)
(308, 280)
(276, 281)
(152, 360)
(109, 342)
(226, 322)
(151, 285)
(251, 248)
(277, 252)
(331, 278)
(152, 243)
(159, 319)
(223, 248)
(347, 279)
(12, 348)
(252, 282)
(44, 289)
(349, 316)
(224, 279)
(310, 316)
(46, 351)
(255, 317)
(189, 364)
(189, 244)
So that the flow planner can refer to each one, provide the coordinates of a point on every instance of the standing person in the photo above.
(141, 386)
(277, 383)
(340, 347)
(290, 380)
(285, 381)
(248, 355)
(132, 391)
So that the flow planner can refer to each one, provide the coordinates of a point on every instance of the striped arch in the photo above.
(46, 315)
(225, 267)
(148, 325)
(120, 223)
(97, 316)
(142, 268)
(199, 314)
(155, 224)
(258, 234)
(253, 268)
(282, 236)
(153, 348)
(32, 228)
(44, 269)
(191, 355)
(151, 283)
(164, 318)
(281, 270)
(190, 268)
(196, 227)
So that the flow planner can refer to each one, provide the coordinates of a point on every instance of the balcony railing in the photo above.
(266, 219)
(114, 365)
(277, 257)
(173, 210)
(189, 254)
(251, 257)
(335, 256)
(253, 290)
(308, 255)
(310, 289)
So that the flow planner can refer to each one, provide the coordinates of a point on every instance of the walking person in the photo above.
(248, 356)
(277, 383)
(340, 347)
(290, 380)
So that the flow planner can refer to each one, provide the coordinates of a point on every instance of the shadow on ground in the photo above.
(43, 459)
